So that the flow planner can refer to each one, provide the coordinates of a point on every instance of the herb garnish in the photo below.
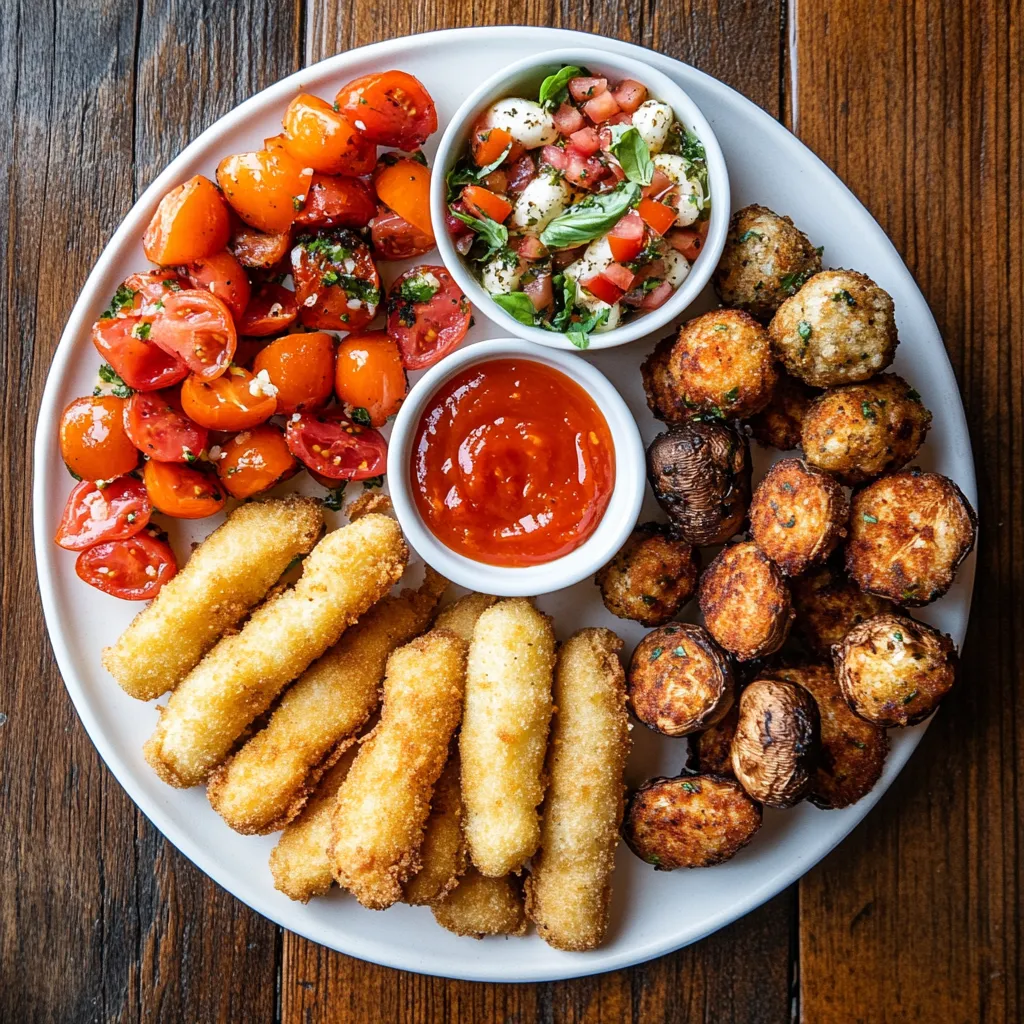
(555, 88)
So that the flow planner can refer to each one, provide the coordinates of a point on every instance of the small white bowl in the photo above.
(523, 78)
(527, 581)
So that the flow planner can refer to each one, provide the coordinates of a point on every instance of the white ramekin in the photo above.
(523, 78)
(527, 581)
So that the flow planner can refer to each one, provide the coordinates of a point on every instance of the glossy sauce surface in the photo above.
(512, 463)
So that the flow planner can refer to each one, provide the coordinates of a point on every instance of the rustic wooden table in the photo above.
(917, 105)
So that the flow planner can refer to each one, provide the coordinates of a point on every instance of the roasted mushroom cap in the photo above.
(700, 474)
(893, 670)
(775, 749)
(711, 749)
(909, 532)
(779, 423)
(679, 680)
(692, 821)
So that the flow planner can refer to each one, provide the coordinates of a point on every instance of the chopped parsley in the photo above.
(418, 288)
(804, 329)
(171, 284)
(679, 652)
(909, 697)
(656, 653)
(731, 395)
(792, 283)
(867, 412)
(361, 416)
(844, 296)
(691, 787)
(321, 245)
(373, 481)
(914, 396)
(141, 330)
(748, 235)
(898, 636)
(118, 388)
(124, 298)
(868, 517)
(332, 499)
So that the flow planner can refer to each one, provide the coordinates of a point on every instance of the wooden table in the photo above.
(917, 106)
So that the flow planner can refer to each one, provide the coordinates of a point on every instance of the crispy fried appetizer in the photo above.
(384, 803)
(569, 886)
(480, 906)
(462, 616)
(778, 424)
(266, 783)
(226, 575)
(664, 396)
(505, 734)
(711, 750)
(348, 572)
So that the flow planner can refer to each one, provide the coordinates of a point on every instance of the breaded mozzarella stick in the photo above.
(462, 616)
(480, 906)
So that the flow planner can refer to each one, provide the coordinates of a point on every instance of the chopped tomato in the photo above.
(369, 379)
(521, 173)
(182, 492)
(337, 286)
(125, 343)
(688, 241)
(568, 120)
(335, 202)
(231, 402)
(657, 216)
(554, 156)
(257, 249)
(301, 367)
(530, 247)
(150, 288)
(428, 315)
(93, 442)
(191, 222)
(116, 511)
(265, 188)
(490, 143)
(254, 461)
(657, 296)
(584, 171)
(601, 108)
(391, 108)
(334, 446)
(272, 309)
(629, 95)
(620, 276)
(157, 426)
(394, 238)
(222, 275)
(660, 184)
(582, 89)
(539, 289)
(320, 137)
(603, 289)
(404, 186)
(626, 239)
(482, 202)
(198, 328)
(134, 569)
(586, 141)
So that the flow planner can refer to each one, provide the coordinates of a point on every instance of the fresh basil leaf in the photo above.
(464, 174)
(518, 306)
(580, 334)
(591, 218)
(579, 338)
(632, 153)
(562, 318)
(554, 88)
(493, 233)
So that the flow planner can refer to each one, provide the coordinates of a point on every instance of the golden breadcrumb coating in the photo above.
(462, 616)
(480, 906)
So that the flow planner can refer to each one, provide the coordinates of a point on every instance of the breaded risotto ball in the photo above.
(664, 396)
(779, 423)
(765, 260)
(859, 431)
(838, 329)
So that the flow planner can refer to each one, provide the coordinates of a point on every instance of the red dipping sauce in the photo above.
(512, 463)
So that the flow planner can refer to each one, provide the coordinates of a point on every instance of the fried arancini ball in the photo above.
(853, 751)
(778, 424)
(680, 680)
(860, 431)
(723, 365)
(711, 750)
(839, 328)
(893, 670)
(797, 516)
(765, 260)
(829, 604)
(651, 578)
(745, 602)
(664, 396)
(692, 821)
(909, 532)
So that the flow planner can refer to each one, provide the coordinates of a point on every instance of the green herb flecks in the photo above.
(419, 288)
(361, 416)
(792, 283)
(656, 653)
(844, 296)
(332, 499)
(122, 301)
(868, 517)
(804, 329)
(118, 388)
(748, 235)
(579, 335)
(679, 652)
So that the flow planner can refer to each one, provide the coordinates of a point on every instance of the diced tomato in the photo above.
(563, 257)
(601, 108)
(404, 186)
(654, 270)
(584, 171)
(221, 275)
(687, 241)
(426, 331)
(620, 118)
(530, 247)
(657, 297)
(629, 94)
(586, 140)
(272, 308)
(117, 511)
(489, 143)
(124, 343)
(481, 202)
(394, 238)
(134, 569)
(190, 222)
(331, 444)
(660, 184)
(157, 425)
(182, 492)
(568, 119)
(391, 108)
(337, 202)
(496, 181)
(320, 137)
(540, 291)
(626, 239)
(616, 171)
(554, 157)
(603, 289)
(150, 289)
(657, 216)
(582, 89)
(521, 173)
(198, 328)
(620, 276)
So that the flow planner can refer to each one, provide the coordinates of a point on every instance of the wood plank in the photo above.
(918, 107)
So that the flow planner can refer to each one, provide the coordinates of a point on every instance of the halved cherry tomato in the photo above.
(626, 239)
(93, 442)
(257, 249)
(489, 143)
(265, 188)
(150, 288)
(198, 328)
(428, 315)
(228, 403)
(334, 446)
(320, 137)
(134, 569)
(93, 514)
(657, 216)
(482, 202)
(404, 186)
(191, 222)
(370, 379)
(158, 427)
(337, 286)
(125, 343)
(335, 202)
(394, 238)
(254, 461)
(181, 491)
(603, 289)
(301, 367)
(391, 108)
(272, 308)
(221, 275)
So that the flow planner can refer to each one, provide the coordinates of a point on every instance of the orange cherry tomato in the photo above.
(301, 367)
(230, 402)
(488, 144)
(369, 378)
(93, 442)
(254, 461)
(404, 186)
(265, 188)
(191, 222)
(391, 108)
(318, 136)
(222, 275)
(482, 202)
(272, 309)
(182, 492)
(337, 286)
(337, 202)
(134, 569)
(158, 427)
(657, 216)
(198, 329)
(257, 249)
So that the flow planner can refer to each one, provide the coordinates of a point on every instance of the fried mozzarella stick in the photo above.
(480, 906)
(299, 862)
(505, 734)
(462, 616)
(229, 573)
(265, 784)
(569, 887)
(384, 803)
(342, 578)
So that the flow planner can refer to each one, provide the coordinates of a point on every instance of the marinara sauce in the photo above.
(512, 463)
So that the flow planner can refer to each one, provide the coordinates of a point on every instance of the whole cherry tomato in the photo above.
(93, 442)
(334, 446)
(191, 222)
(254, 461)
(92, 514)
(337, 286)
(181, 491)
(369, 379)
(428, 315)
(335, 202)
(222, 275)
(390, 108)
(265, 188)
(125, 343)
(198, 329)
(134, 569)
(319, 137)
(234, 401)
(272, 309)
(158, 427)
(301, 367)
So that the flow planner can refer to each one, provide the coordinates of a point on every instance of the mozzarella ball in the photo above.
(653, 120)
(543, 199)
(527, 122)
(690, 199)
(501, 275)
(677, 267)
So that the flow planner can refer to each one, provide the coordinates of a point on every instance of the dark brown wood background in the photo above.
(917, 916)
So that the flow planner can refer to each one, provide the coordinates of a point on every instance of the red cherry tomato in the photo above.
(125, 343)
(116, 512)
(157, 426)
(394, 238)
(337, 286)
(335, 202)
(150, 288)
(93, 442)
(182, 492)
(198, 328)
(134, 569)
(428, 315)
(221, 275)
(321, 138)
(391, 108)
(271, 309)
(330, 444)
(257, 249)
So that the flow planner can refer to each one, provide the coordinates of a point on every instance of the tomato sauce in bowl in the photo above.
(512, 463)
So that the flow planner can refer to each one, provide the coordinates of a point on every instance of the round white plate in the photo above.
(652, 912)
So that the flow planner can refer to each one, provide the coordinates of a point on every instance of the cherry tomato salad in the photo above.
(582, 209)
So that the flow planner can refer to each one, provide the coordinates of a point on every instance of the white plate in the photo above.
(652, 912)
